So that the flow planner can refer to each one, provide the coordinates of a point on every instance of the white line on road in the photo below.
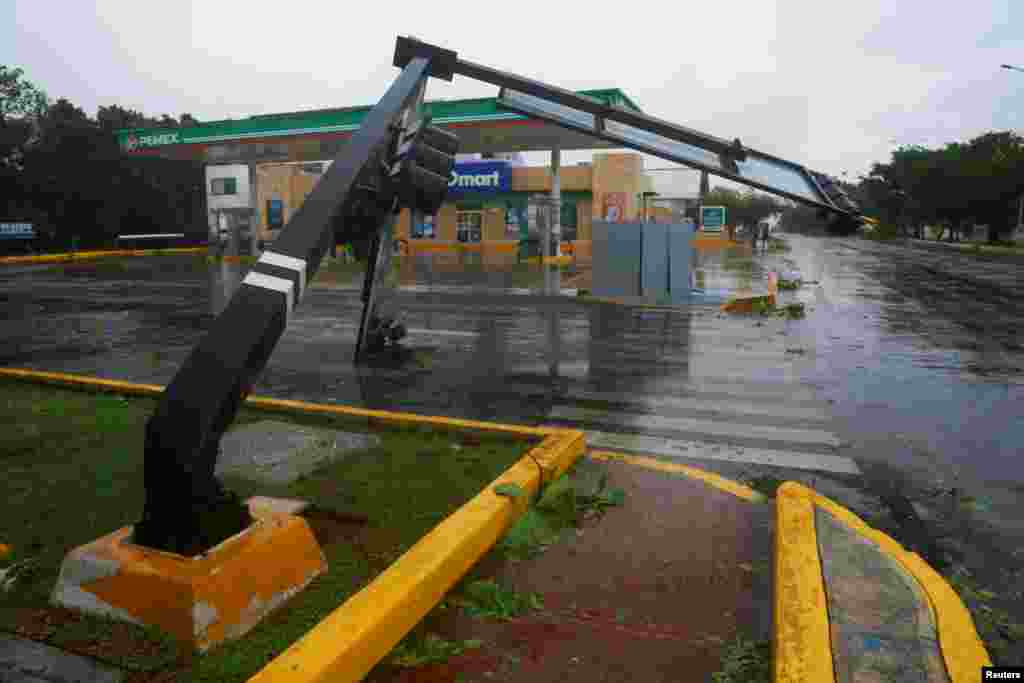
(726, 407)
(713, 451)
(718, 428)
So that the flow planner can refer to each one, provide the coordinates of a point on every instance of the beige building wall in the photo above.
(538, 178)
(617, 173)
(445, 227)
(493, 224)
(286, 182)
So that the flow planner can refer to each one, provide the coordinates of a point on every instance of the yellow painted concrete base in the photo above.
(802, 649)
(201, 600)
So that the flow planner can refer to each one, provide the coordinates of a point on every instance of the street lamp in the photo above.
(1020, 203)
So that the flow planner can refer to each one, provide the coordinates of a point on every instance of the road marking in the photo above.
(712, 451)
(414, 330)
(726, 407)
(718, 428)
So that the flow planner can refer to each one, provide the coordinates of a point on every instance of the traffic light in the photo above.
(422, 166)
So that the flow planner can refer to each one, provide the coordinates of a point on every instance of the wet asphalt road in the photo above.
(907, 358)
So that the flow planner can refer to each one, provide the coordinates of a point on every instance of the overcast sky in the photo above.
(828, 83)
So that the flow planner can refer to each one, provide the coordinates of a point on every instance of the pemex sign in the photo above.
(131, 142)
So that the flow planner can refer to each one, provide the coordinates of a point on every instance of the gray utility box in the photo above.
(649, 260)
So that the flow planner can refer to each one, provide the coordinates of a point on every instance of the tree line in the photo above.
(951, 189)
(746, 208)
(62, 171)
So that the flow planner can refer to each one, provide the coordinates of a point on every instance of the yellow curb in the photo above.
(352, 639)
(801, 647)
(85, 255)
(728, 485)
(962, 649)
(278, 405)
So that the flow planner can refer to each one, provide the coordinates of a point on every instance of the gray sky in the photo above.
(833, 84)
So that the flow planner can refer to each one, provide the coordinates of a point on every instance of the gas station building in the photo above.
(260, 169)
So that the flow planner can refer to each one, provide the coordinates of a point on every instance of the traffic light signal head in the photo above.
(422, 166)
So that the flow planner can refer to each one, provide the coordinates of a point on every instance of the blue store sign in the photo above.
(480, 177)
(17, 231)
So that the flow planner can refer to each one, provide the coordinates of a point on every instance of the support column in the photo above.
(254, 220)
(704, 189)
(556, 200)
(552, 240)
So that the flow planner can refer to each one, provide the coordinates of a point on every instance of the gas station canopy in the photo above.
(482, 125)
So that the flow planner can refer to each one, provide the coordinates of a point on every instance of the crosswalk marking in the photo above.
(713, 451)
(715, 428)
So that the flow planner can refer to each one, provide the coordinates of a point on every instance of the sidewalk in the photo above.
(652, 592)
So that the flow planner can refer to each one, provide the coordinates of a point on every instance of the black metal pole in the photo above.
(187, 510)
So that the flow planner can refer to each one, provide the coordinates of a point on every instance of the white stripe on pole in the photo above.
(278, 284)
(289, 262)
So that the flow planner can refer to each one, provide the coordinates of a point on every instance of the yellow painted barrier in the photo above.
(351, 640)
(87, 255)
(962, 650)
(280, 405)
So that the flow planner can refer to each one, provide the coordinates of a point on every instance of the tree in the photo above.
(954, 187)
(743, 208)
(21, 103)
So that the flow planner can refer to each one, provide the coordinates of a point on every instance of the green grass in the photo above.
(999, 630)
(420, 649)
(577, 495)
(765, 485)
(73, 472)
(488, 599)
(745, 661)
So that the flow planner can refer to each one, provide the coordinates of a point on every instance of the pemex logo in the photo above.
(134, 142)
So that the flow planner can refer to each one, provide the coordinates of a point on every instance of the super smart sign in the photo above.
(133, 142)
(17, 231)
(712, 217)
(479, 177)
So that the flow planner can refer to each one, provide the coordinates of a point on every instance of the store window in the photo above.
(424, 229)
(515, 222)
(469, 225)
(567, 220)
(220, 186)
